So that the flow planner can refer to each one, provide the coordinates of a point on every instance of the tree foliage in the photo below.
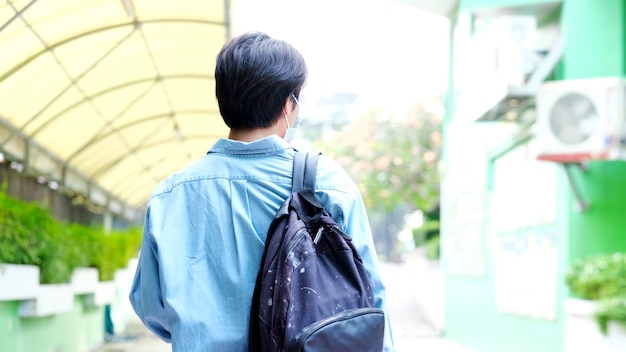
(392, 157)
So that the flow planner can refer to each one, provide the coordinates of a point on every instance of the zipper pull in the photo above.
(318, 235)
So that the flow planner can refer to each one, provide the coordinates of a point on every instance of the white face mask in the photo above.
(291, 131)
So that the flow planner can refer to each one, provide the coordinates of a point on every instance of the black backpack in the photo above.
(312, 292)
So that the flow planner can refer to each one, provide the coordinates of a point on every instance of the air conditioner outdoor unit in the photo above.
(581, 120)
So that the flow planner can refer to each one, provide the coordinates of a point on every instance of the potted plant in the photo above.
(597, 314)
(598, 277)
(611, 315)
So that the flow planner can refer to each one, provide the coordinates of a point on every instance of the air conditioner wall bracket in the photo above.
(581, 204)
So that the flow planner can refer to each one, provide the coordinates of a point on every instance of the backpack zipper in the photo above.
(296, 238)
(318, 235)
(338, 230)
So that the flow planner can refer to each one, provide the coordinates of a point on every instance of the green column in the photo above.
(596, 36)
(595, 33)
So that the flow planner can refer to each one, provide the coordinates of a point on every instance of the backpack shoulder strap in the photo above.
(304, 171)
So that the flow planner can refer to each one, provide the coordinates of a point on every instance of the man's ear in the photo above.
(290, 105)
(287, 108)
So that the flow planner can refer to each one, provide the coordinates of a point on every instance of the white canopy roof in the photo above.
(108, 97)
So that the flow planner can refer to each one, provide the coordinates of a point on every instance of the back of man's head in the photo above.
(254, 75)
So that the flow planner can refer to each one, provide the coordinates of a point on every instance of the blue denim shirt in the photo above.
(204, 236)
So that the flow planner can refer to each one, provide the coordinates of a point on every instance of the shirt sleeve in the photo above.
(356, 224)
(342, 199)
(145, 294)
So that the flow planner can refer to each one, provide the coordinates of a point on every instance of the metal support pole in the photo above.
(581, 204)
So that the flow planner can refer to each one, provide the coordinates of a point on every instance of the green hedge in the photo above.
(29, 234)
(432, 249)
(429, 230)
(428, 236)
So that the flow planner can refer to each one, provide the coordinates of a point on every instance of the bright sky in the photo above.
(386, 52)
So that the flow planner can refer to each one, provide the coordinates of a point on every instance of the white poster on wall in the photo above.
(522, 211)
(463, 189)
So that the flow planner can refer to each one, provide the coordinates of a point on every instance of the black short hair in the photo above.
(254, 75)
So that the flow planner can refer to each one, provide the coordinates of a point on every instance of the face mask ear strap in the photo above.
(286, 119)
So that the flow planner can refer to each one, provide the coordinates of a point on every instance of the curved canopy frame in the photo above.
(108, 97)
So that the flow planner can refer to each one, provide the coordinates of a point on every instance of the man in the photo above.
(206, 225)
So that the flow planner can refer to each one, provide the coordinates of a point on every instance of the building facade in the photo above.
(514, 219)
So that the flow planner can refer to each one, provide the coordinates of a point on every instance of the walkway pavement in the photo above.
(415, 304)
(415, 319)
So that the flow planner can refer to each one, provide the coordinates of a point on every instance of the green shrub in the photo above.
(82, 244)
(29, 234)
(611, 309)
(432, 248)
(598, 277)
(424, 233)
(601, 278)
(116, 249)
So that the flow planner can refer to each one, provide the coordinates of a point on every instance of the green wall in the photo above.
(81, 329)
(601, 228)
(596, 47)
(477, 324)
(595, 32)
(472, 315)
(9, 323)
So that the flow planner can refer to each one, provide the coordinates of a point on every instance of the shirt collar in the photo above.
(265, 145)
